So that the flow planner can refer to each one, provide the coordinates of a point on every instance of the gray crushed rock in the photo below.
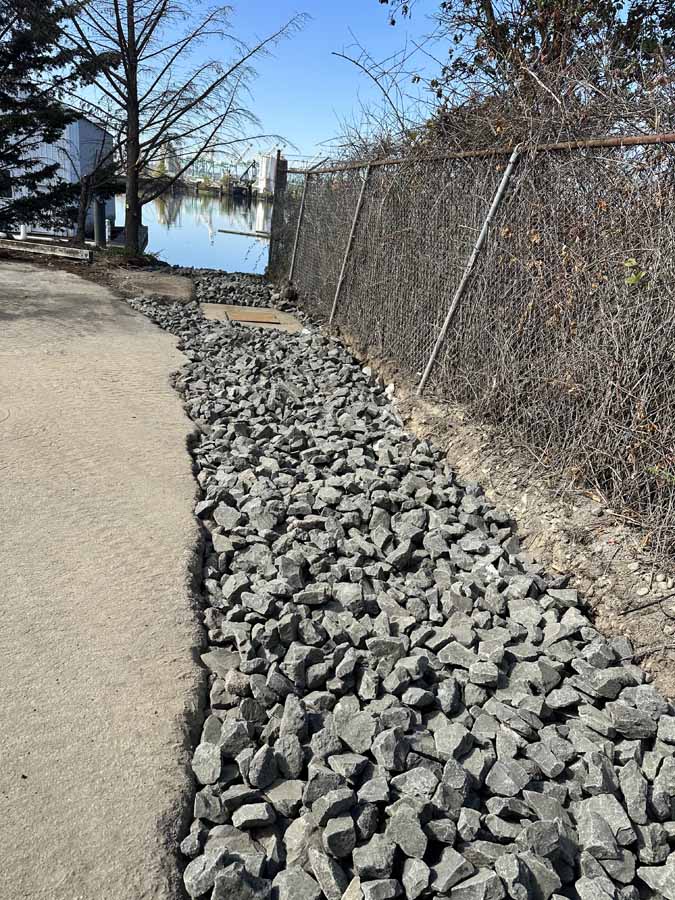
(232, 288)
(400, 704)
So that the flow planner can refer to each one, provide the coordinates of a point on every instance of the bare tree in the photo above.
(152, 93)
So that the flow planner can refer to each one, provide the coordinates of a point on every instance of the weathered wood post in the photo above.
(278, 200)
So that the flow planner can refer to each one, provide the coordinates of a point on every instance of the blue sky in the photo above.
(303, 91)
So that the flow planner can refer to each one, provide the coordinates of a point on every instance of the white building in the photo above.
(267, 175)
(81, 148)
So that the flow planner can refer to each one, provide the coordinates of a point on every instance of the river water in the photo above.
(183, 229)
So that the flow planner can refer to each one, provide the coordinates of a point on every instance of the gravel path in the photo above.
(234, 288)
(400, 705)
(98, 675)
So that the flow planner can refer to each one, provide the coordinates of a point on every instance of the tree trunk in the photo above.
(132, 219)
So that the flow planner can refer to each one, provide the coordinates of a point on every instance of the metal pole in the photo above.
(99, 222)
(291, 271)
(469, 267)
(348, 248)
(631, 140)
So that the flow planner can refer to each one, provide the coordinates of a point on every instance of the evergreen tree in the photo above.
(37, 70)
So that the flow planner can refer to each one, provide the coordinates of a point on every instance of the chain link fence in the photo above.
(565, 335)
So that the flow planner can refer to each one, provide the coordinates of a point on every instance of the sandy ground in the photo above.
(99, 683)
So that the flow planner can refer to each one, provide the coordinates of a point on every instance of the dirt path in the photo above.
(98, 679)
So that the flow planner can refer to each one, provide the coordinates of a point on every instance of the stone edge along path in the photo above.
(400, 704)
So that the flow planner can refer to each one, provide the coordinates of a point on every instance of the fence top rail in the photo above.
(633, 140)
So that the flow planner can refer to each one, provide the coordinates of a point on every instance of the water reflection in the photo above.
(185, 229)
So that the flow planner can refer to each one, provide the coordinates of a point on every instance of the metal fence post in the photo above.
(350, 241)
(501, 190)
(301, 213)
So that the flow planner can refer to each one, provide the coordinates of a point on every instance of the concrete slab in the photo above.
(252, 316)
(43, 248)
(97, 645)
(158, 285)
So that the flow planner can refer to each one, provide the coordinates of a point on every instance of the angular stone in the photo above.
(289, 755)
(286, 796)
(607, 807)
(663, 791)
(484, 885)
(234, 737)
(544, 879)
(481, 854)
(452, 740)
(320, 780)
(634, 724)
(621, 870)
(596, 836)
(357, 731)
(263, 768)
(353, 891)
(415, 878)
(302, 834)
(418, 782)
(374, 790)
(207, 763)
(507, 778)
(200, 874)
(485, 674)
(254, 815)
(330, 876)
(597, 888)
(293, 883)
(451, 868)
(348, 765)
(660, 878)
(390, 749)
(515, 876)
(314, 595)
(238, 795)
(339, 836)
(209, 805)
(235, 883)
(381, 889)
(547, 761)
(652, 844)
(404, 829)
(374, 859)
(448, 695)
(333, 804)
(666, 729)
(634, 790)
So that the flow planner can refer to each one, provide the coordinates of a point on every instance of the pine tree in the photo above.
(37, 70)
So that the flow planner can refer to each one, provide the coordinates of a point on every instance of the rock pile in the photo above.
(400, 706)
(233, 288)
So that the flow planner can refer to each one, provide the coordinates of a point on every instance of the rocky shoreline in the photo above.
(400, 705)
